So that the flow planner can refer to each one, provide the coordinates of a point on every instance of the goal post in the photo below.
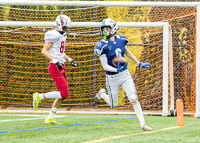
(198, 64)
(185, 21)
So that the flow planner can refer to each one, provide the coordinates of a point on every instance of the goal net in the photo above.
(25, 71)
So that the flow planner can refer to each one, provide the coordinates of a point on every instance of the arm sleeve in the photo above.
(105, 65)
(50, 37)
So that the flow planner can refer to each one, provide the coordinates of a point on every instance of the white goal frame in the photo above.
(164, 25)
(127, 24)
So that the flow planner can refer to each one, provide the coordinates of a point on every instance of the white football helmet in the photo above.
(62, 21)
(111, 23)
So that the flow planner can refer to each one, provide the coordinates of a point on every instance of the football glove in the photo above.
(59, 65)
(144, 65)
(74, 63)
(121, 68)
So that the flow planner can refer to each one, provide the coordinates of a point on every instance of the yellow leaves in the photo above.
(128, 14)
(183, 36)
(56, 7)
(6, 12)
(184, 52)
(137, 51)
(117, 13)
(37, 7)
(44, 7)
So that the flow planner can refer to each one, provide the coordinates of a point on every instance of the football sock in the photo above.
(41, 96)
(102, 95)
(52, 112)
(107, 99)
(138, 111)
(50, 95)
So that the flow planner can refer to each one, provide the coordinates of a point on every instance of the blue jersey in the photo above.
(111, 49)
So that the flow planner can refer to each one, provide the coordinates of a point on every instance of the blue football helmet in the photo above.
(112, 24)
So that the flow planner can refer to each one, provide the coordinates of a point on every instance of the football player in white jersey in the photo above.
(110, 47)
(54, 51)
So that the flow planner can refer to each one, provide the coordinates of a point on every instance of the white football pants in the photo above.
(124, 79)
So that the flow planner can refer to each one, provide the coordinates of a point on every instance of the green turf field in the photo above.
(27, 128)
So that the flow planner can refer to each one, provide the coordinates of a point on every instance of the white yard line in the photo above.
(21, 115)
(21, 119)
(81, 112)
(10, 120)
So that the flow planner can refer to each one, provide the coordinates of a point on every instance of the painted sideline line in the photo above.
(76, 112)
(108, 116)
(136, 134)
(1, 132)
(26, 119)
(21, 115)
(22, 119)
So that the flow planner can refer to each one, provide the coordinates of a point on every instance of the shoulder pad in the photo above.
(124, 38)
(51, 36)
(99, 47)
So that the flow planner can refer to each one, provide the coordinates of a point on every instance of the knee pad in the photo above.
(132, 97)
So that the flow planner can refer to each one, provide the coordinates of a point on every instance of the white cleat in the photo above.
(98, 95)
(146, 128)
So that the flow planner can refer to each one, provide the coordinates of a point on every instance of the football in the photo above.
(120, 59)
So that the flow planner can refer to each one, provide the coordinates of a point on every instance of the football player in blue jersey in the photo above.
(112, 46)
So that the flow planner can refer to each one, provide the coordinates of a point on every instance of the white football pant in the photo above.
(124, 79)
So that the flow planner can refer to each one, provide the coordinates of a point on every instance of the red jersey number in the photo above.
(62, 48)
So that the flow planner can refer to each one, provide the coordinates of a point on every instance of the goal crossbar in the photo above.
(100, 3)
(83, 24)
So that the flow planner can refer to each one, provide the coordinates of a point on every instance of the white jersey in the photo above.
(57, 50)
